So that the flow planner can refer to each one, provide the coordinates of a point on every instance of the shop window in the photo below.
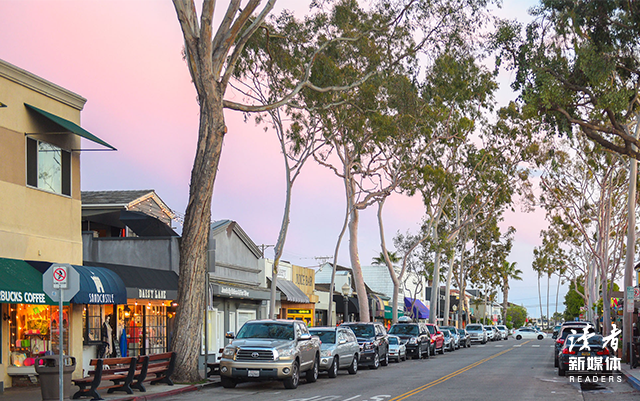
(156, 328)
(34, 331)
(48, 167)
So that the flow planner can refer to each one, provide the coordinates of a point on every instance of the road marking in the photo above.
(536, 346)
(481, 346)
(499, 346)
(352, 398)
(447, 377)
(517, 346)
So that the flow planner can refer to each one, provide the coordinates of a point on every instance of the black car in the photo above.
(575, 347)
(465, 338)
(374, 343)
(565, 331)
(415, 337)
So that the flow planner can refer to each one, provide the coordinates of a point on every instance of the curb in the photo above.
(632, 380)
(186, 389)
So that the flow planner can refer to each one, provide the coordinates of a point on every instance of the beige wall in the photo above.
(35, 224)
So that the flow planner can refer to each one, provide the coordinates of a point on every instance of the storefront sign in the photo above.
(101, 298)
(238, 292)
(228, 291)
(152, 293)
(629, 300)
(304, 279)
(18, 297)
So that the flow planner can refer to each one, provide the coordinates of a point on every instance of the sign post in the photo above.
(61, 282)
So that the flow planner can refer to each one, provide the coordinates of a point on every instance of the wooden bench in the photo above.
(120, 371)
(155, 368)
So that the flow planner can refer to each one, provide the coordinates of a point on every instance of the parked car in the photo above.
(477, 333)
(339, 349)
(397, 349)
(503, 331)
(437, 338)
(448, 341)
(565, 331)
(374, 343)
(497, 336)
(465, 339)
(415, 337)
(556, 330)
(454, 334)
(528, 333)
(490, 333)
(572, 347)
(270, 350)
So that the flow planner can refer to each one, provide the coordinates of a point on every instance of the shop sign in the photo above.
(629, 300)
(299, 311)
(236, 292)
(152, 293)
(19, 297)
(304, 279)
(101, 298)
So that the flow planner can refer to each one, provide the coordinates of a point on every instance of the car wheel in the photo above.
(555, 362)
(292, 381)
(353, 368)
(540, 337)
(428, 352)
(376, 361)
(561, 372)
(419, 352)
(518, 337)
(333, 369)
(484, 341)
(442, 350)
(312, 374)
(227, 382)
(385, 361)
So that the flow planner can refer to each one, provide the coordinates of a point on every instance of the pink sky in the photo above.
(125, 57)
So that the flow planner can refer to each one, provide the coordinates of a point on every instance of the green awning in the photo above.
(388, 312)
(21, 284)
(70, 126)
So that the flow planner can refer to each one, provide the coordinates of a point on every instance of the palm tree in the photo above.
(508, 271)
(379, 260)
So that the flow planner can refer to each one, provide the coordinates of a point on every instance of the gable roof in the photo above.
(122, 199)
(232, 226)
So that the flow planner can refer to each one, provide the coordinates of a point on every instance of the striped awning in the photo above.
(291, 291)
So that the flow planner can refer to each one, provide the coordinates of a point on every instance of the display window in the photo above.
(34, 331)
(144, 327)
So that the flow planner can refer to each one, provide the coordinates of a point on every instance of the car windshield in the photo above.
(474, 327)
(404, 329)
(595, 340)
(267, 330)
(327, 337)
(446, 333)
(574, 330)
(362, 330)
(431, 329)
(393, 340)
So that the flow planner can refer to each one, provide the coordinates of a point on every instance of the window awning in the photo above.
(291, 291)
(145, 283)
(388, 312)
(98, 285)
(21, 283)
(420, 310)
(70, 126)
(145, 225)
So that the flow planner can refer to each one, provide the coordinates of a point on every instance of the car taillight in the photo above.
(560, 341)
(603, 352)
(566, 351)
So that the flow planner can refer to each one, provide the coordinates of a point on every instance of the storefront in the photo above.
(144, 324)
(295, 304)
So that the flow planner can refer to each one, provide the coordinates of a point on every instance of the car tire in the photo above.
(540, 337)
(292, 382)
(555, 362)
(441, 350)
(312, 374)
(385, 361)
(376, 361)
(561, 372)
(353, 368)
(484, 342)
(518, 337)
(428, 353)
(228, 382)
(419, 352)
(333, 369)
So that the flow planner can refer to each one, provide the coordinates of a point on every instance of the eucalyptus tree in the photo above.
(508, 271)
(583, 186)
(212, 55)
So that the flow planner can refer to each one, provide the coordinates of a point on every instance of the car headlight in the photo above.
(326, 352)
(413, 340)
(229, 352)
(283, 353)
(368, 346)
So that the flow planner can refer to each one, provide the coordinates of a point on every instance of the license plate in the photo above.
(586, 354)
(254, 373)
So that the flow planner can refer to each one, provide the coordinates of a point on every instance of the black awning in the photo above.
(354, 307)
(146, 226)
(145, 283)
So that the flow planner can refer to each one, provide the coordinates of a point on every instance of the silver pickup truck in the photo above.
(270, 350)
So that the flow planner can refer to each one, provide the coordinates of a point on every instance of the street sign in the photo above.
(629, 300)
(71, 280)
(60, 276)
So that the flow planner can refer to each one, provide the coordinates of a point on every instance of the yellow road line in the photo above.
(449, 376)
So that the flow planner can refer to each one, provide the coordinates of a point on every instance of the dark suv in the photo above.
(566, 330)
(374, 343)
(415, 337)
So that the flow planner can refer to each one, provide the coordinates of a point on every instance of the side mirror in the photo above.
(343, 341)
(438, 333)
(304, 337)
(230, 334)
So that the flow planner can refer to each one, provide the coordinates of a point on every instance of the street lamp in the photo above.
(346, 290)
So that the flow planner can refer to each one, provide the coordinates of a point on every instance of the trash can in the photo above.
(48, 371)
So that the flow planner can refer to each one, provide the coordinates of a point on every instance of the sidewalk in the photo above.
(153, 392)
(632, 375)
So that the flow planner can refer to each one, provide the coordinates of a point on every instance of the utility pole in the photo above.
(263, 248)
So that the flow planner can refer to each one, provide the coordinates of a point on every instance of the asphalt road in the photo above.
(503, 370)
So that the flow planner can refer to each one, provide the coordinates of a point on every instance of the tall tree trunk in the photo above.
(387, 261)
(447, 300)
(435, 287)
(279, 248)
(195, 236)
(555, 314)
(540, 296)
(356, 269)
(505, 302)
(335, 266)
(548, 280)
